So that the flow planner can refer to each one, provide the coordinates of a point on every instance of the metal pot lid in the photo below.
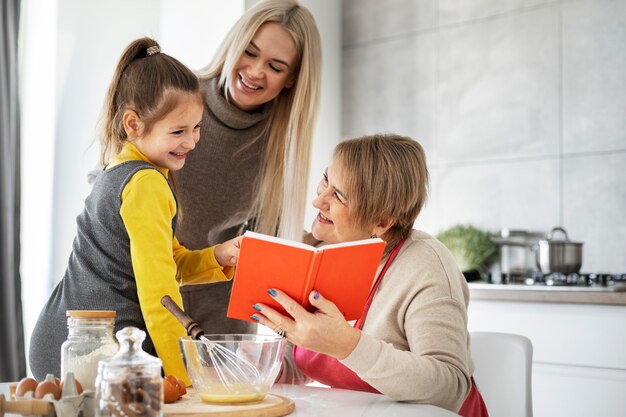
(517, 237)
(552, 239)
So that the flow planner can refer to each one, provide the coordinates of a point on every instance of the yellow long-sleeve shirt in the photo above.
(160, 263)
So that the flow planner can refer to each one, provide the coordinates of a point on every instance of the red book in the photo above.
(341, 272)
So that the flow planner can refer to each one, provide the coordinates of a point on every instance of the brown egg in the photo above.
(48, 387)
(79, 388)
(174, 381)
(24, 386)
(181, 386)
(170, 391)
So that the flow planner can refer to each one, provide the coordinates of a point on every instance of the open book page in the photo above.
(372, 241)
(279, 241)
(322, 245)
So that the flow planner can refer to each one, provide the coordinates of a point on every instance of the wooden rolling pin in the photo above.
(25, 407)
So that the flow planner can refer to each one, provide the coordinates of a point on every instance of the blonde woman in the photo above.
(250, 168)
(411, 343)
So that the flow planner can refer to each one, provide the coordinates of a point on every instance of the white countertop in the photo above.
(613, 295)
(328, 402)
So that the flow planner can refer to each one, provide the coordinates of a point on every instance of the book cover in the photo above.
(342, 272)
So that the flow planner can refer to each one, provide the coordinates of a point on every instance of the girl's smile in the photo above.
(174, 136)
(179, 155)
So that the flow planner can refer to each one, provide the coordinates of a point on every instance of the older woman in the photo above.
(411, 342)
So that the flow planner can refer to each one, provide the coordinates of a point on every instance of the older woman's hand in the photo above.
(324, 331)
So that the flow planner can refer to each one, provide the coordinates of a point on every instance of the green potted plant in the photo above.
(472, 249)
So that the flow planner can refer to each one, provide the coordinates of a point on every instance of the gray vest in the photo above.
(99, 274)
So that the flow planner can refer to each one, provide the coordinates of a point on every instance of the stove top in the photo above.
(557, 279)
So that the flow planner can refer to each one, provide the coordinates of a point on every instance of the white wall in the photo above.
(327, 14)
(37, 50)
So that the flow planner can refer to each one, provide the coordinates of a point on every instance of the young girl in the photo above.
(261, 94)
(125, 256)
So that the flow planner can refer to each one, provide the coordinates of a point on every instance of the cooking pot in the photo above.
(559, 255)
(517, 257)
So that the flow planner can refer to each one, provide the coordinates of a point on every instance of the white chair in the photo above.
(503, 372)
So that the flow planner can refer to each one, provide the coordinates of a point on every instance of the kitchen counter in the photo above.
(544, 293)
(316, 402)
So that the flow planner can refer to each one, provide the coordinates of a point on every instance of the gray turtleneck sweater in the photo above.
(215, 191)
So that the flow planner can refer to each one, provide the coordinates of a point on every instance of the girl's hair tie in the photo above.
(153, 50)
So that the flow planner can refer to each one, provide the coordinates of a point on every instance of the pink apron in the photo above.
(329, 371)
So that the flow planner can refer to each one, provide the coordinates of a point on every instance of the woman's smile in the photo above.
(265, 67)
(248, 85)
(323, 219)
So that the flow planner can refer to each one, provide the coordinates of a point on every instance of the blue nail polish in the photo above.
(272, 292)
(316, 294)
(253, 317)
(256, 307)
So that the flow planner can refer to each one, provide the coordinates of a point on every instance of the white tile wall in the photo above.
(517, 195)
(594, 75)
(458, 11)
(390, 87)
(498, 87)
(367, 20)
(594, 196)
(520, 105)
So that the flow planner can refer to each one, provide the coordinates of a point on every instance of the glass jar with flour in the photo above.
(90, 340)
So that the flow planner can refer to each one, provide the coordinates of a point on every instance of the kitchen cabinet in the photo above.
(579, 352)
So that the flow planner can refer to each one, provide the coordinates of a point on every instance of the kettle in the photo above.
(559, 254)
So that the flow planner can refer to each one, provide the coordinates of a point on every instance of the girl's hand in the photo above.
(324, 331)
(227, 253)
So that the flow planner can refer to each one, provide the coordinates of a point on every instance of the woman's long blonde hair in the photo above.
(281, 189)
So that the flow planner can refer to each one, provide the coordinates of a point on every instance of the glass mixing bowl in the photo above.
(233, 368)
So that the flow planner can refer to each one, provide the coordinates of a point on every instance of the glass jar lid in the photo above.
(91, 314)
(131, 355)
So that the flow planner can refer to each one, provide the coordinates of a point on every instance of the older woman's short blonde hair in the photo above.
(385, 179)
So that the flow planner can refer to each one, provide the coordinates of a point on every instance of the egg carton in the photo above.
(71, 403)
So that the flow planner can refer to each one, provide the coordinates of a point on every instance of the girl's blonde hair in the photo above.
(148, 82)
(281, 189)
(385, 179)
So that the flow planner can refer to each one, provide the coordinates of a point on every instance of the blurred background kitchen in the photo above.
(520, 105)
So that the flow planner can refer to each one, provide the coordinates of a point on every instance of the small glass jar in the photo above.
(129, 384)
(90, 339)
